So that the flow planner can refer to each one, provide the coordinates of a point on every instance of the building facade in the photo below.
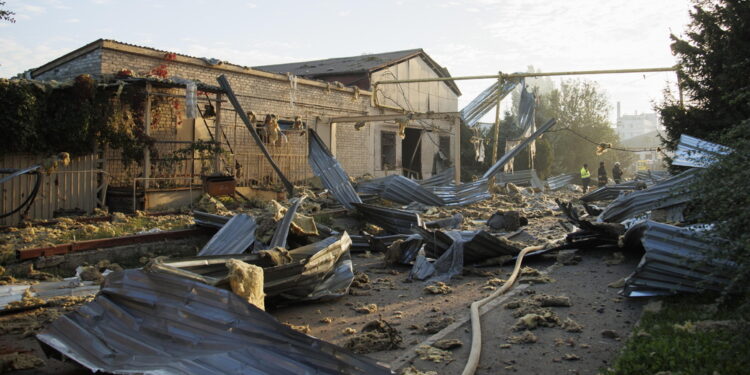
(374, 148)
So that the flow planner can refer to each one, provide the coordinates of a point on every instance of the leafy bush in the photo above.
(45, 118)
(722, 198)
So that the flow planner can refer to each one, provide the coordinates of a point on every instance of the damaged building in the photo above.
(332, 96)
(319, 271)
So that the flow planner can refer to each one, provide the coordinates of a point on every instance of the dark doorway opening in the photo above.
(411, 153)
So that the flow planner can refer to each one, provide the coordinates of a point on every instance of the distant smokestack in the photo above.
(618, 111)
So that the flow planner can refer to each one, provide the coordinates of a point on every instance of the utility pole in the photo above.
(496, 129)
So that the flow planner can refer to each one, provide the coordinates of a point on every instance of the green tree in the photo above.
(6, 15)
(582, 113)
(714, 72)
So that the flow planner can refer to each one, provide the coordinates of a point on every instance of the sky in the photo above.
(469, 37)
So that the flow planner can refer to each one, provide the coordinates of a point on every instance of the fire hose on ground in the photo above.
(476, 328)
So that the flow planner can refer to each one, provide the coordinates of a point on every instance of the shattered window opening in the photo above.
(445, 146)
(387, 150)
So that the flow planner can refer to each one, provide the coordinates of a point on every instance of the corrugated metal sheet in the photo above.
(478, 245)
(497, 167)
(486, 101)
(157, 323)
(695, 152)
(440, 179)
(392, 220)
(205, 219)
(558, 182)
(322, 269)
(234, 237)
(404, 190)
(667, 193)
(463, 194)
(526, 177)
(609, 192)
(651, 177)
(676, 260)
(72, 187)
(378, 185)
(282, 227)
(331, 174)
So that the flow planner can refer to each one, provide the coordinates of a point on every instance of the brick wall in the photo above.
(260, 92)
(265, 95)
(89, 63)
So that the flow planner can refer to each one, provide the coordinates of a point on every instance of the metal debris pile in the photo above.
(647, 216)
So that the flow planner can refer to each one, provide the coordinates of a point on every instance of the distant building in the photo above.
(648, 156)
(629, 126)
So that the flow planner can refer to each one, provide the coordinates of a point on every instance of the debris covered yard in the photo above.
(169, 214)
(416, 314)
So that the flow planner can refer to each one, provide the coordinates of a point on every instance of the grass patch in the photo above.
(689, 335)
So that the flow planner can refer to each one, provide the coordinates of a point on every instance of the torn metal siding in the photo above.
(497, 167)
(404, 190)
(558, 182)
(440, 179)
(390, 219)
(695, 152)
(234, 237)
(282, 228)
(331, 174)
(675, 260)
(463, 194)
(478, 245)
(609, 192)
(156, 323)
(521, 178)
(307, 277)
(667, 193)
(486, 101)
(651, 177)
(205, 219)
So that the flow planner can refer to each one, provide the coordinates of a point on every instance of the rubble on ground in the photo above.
(375, 336)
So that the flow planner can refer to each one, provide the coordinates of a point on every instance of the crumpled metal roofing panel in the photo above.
(526, 177)
(676, 260)
(558, 182)
(667, 193)
(157, 323)
(307, 277)
(439, 179)
(695, 152)
(651, 177)
(467, 193)
(331, 174)
(486, 101)
(497, 167)
(404, 190)
(282, 228)
(478, 245)
(206, 219)
(392, 220)
(609, 192)
(234, 237)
